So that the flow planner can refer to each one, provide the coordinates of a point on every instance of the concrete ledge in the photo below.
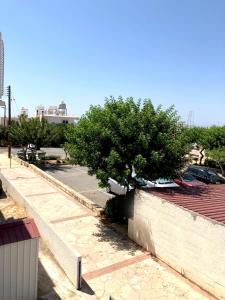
(67, 257)
(77, 196)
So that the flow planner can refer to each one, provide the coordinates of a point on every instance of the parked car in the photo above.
(186, 180)
(31, 153)
(116, 188)
(205, 174)
(139, 182)
(162, 183)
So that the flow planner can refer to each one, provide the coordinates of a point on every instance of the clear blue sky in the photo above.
(81, 51)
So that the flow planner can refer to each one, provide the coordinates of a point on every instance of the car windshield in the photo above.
(164, 181)
(210, 172)
(188, 177)
(140, 181)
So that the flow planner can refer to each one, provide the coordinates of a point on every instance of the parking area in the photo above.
(49, 151)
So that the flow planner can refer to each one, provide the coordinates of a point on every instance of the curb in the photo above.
(75, 195)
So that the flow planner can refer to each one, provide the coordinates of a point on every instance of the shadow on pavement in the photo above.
(55, 168)
(113, 229)
(45, 285)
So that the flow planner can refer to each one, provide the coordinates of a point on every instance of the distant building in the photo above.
(24, 112)
(56, 114)
(53, 114)
(1, 66)
(40, 111)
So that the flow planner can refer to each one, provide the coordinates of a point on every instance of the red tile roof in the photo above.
(208, 200)
(17, 231)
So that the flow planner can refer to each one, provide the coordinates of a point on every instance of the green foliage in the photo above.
(33, 131)
(216, 137)
(3, 135)
(218, 155)
(211, 139)
(197, 135)
(207, 138)
(124, 134)
(58, 131)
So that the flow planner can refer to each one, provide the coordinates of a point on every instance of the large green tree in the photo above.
(3, 135)
(31, 131)
(207, 138)
(125, 135)
(198, 135)
(218, 155)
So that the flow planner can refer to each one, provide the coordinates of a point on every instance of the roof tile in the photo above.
(206, 200)
(19, 230)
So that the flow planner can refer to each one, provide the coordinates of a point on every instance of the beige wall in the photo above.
(60, 119)
(188, 242)
(19, 266)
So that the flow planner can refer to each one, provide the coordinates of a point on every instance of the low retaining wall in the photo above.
(68, 259)
(190, 243)
(77, 196)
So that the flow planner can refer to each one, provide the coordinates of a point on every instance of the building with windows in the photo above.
(1, 66)
(56, 114)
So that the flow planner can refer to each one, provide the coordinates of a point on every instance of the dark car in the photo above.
(205, 174)
(187, 179)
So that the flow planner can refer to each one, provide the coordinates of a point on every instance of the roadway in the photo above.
(76, 177)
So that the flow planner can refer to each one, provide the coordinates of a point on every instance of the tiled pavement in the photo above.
(111, 264)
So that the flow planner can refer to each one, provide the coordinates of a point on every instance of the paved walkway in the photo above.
(111, 264)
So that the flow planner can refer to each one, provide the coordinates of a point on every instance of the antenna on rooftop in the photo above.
(190, 119)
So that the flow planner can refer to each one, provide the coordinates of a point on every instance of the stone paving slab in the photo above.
(145, 280)
(99, 245)
(63, 207)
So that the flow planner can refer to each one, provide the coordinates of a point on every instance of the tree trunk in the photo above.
(221, 168)
(201, 157)
(129, 177)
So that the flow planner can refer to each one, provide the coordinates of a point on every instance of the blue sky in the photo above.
(81, 51)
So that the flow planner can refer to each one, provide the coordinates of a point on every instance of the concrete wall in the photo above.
(188, 242)
(68, 259)
(19, 266)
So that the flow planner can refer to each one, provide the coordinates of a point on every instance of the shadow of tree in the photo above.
(55, 168)
(118, 241)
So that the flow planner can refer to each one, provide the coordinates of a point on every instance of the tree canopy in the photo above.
(208, 138)
(125, 135)
(218, 155)
(32, 131)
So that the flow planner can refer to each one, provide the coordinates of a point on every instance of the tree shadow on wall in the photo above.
(118, 210)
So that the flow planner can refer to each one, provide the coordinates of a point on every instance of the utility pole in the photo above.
(9, 121)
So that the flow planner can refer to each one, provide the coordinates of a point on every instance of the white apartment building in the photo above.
(56, 114)
(1, 66)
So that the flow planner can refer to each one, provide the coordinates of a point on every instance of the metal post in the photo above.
(4, 115)
(9, 121)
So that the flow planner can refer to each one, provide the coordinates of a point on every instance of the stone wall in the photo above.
(190, 243)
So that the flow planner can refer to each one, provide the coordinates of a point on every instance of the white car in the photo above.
(116, 188)
(162, 183)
